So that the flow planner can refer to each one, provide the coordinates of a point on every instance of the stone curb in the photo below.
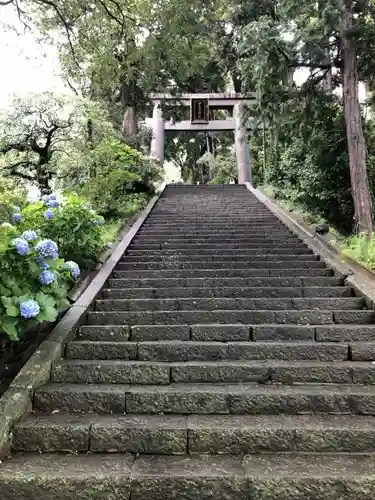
(355, 275)
(17, 400)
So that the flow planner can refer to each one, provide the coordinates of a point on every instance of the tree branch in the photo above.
(6, 2)
(21, 147)
(65, 24)
(12, 171)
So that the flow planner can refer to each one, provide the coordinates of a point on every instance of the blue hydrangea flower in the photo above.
(74, 269)
(47, 249)
(48, 214)
(45, 198)
(47, 277)
(53, 204)
(29, 235)
(52, 197)
(41, 262)
(22, 246)
(16, 218)
(29, 309)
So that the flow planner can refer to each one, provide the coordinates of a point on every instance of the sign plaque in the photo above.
(199, 111)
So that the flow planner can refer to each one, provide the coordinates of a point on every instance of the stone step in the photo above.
(206, 233)
(220, 273)
(181, 435)
(303, 250)
(212, 351)
(226, 259)
(230, 333)
(262, 372)
(217, 240)
(261, 246)
(250, 264)
(225, 282)
(299, 317)
(236, 399)
(227, 292)
(206, 304)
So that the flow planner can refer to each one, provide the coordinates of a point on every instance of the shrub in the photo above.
(120, 172)
(34, 281)
(361, 249)
(77, 230)
(11, 195)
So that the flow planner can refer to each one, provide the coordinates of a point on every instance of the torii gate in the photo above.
(200, 104)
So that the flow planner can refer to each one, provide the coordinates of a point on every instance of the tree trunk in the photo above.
(354, 130)
(128, 100)
(129, 125)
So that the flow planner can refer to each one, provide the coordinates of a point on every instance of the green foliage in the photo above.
(225, 169)
(312, 170)
(361, 249)
(20, 282)
(77, 230)
(123, 178)
(11, 195)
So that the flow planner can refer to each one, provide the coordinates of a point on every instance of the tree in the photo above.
(120, 50)
(323, 37)
(41, 131)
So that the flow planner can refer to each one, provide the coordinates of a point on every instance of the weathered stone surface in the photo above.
(330, 281)
(304, 317)
(291, 333)
(220, 332)
(300, 272)
(318, 291)
(189, 478)
(177, 399)
(310, 372)
(194, 273)
(15, 403)
(362, 351)
(100, 349)
(352, 317)
(225, 371)
(139, 434)
(327, 303)
(184, 317)
(310, 477)
(63, 477)
(236, 435)
(240, 351)
(271, 400)
(81, 398)
(345, 333)
(334, 433)
(110, 372)
(160, 332)
(103, 332)
(59, 432)
(137, 305)
(37, 370)
(363, 373)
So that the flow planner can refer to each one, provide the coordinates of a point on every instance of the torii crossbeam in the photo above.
(200, 104)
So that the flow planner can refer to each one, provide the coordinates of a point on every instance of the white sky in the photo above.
(26, 66)
(29, 67)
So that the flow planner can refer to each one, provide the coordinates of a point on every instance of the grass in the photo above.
(357, 247)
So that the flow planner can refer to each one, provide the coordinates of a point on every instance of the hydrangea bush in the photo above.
(70, 222)
(34, 280)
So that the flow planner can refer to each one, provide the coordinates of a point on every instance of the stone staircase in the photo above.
(222, 361)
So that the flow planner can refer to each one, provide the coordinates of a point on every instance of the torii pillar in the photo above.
(157, 141)
(242, 147)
